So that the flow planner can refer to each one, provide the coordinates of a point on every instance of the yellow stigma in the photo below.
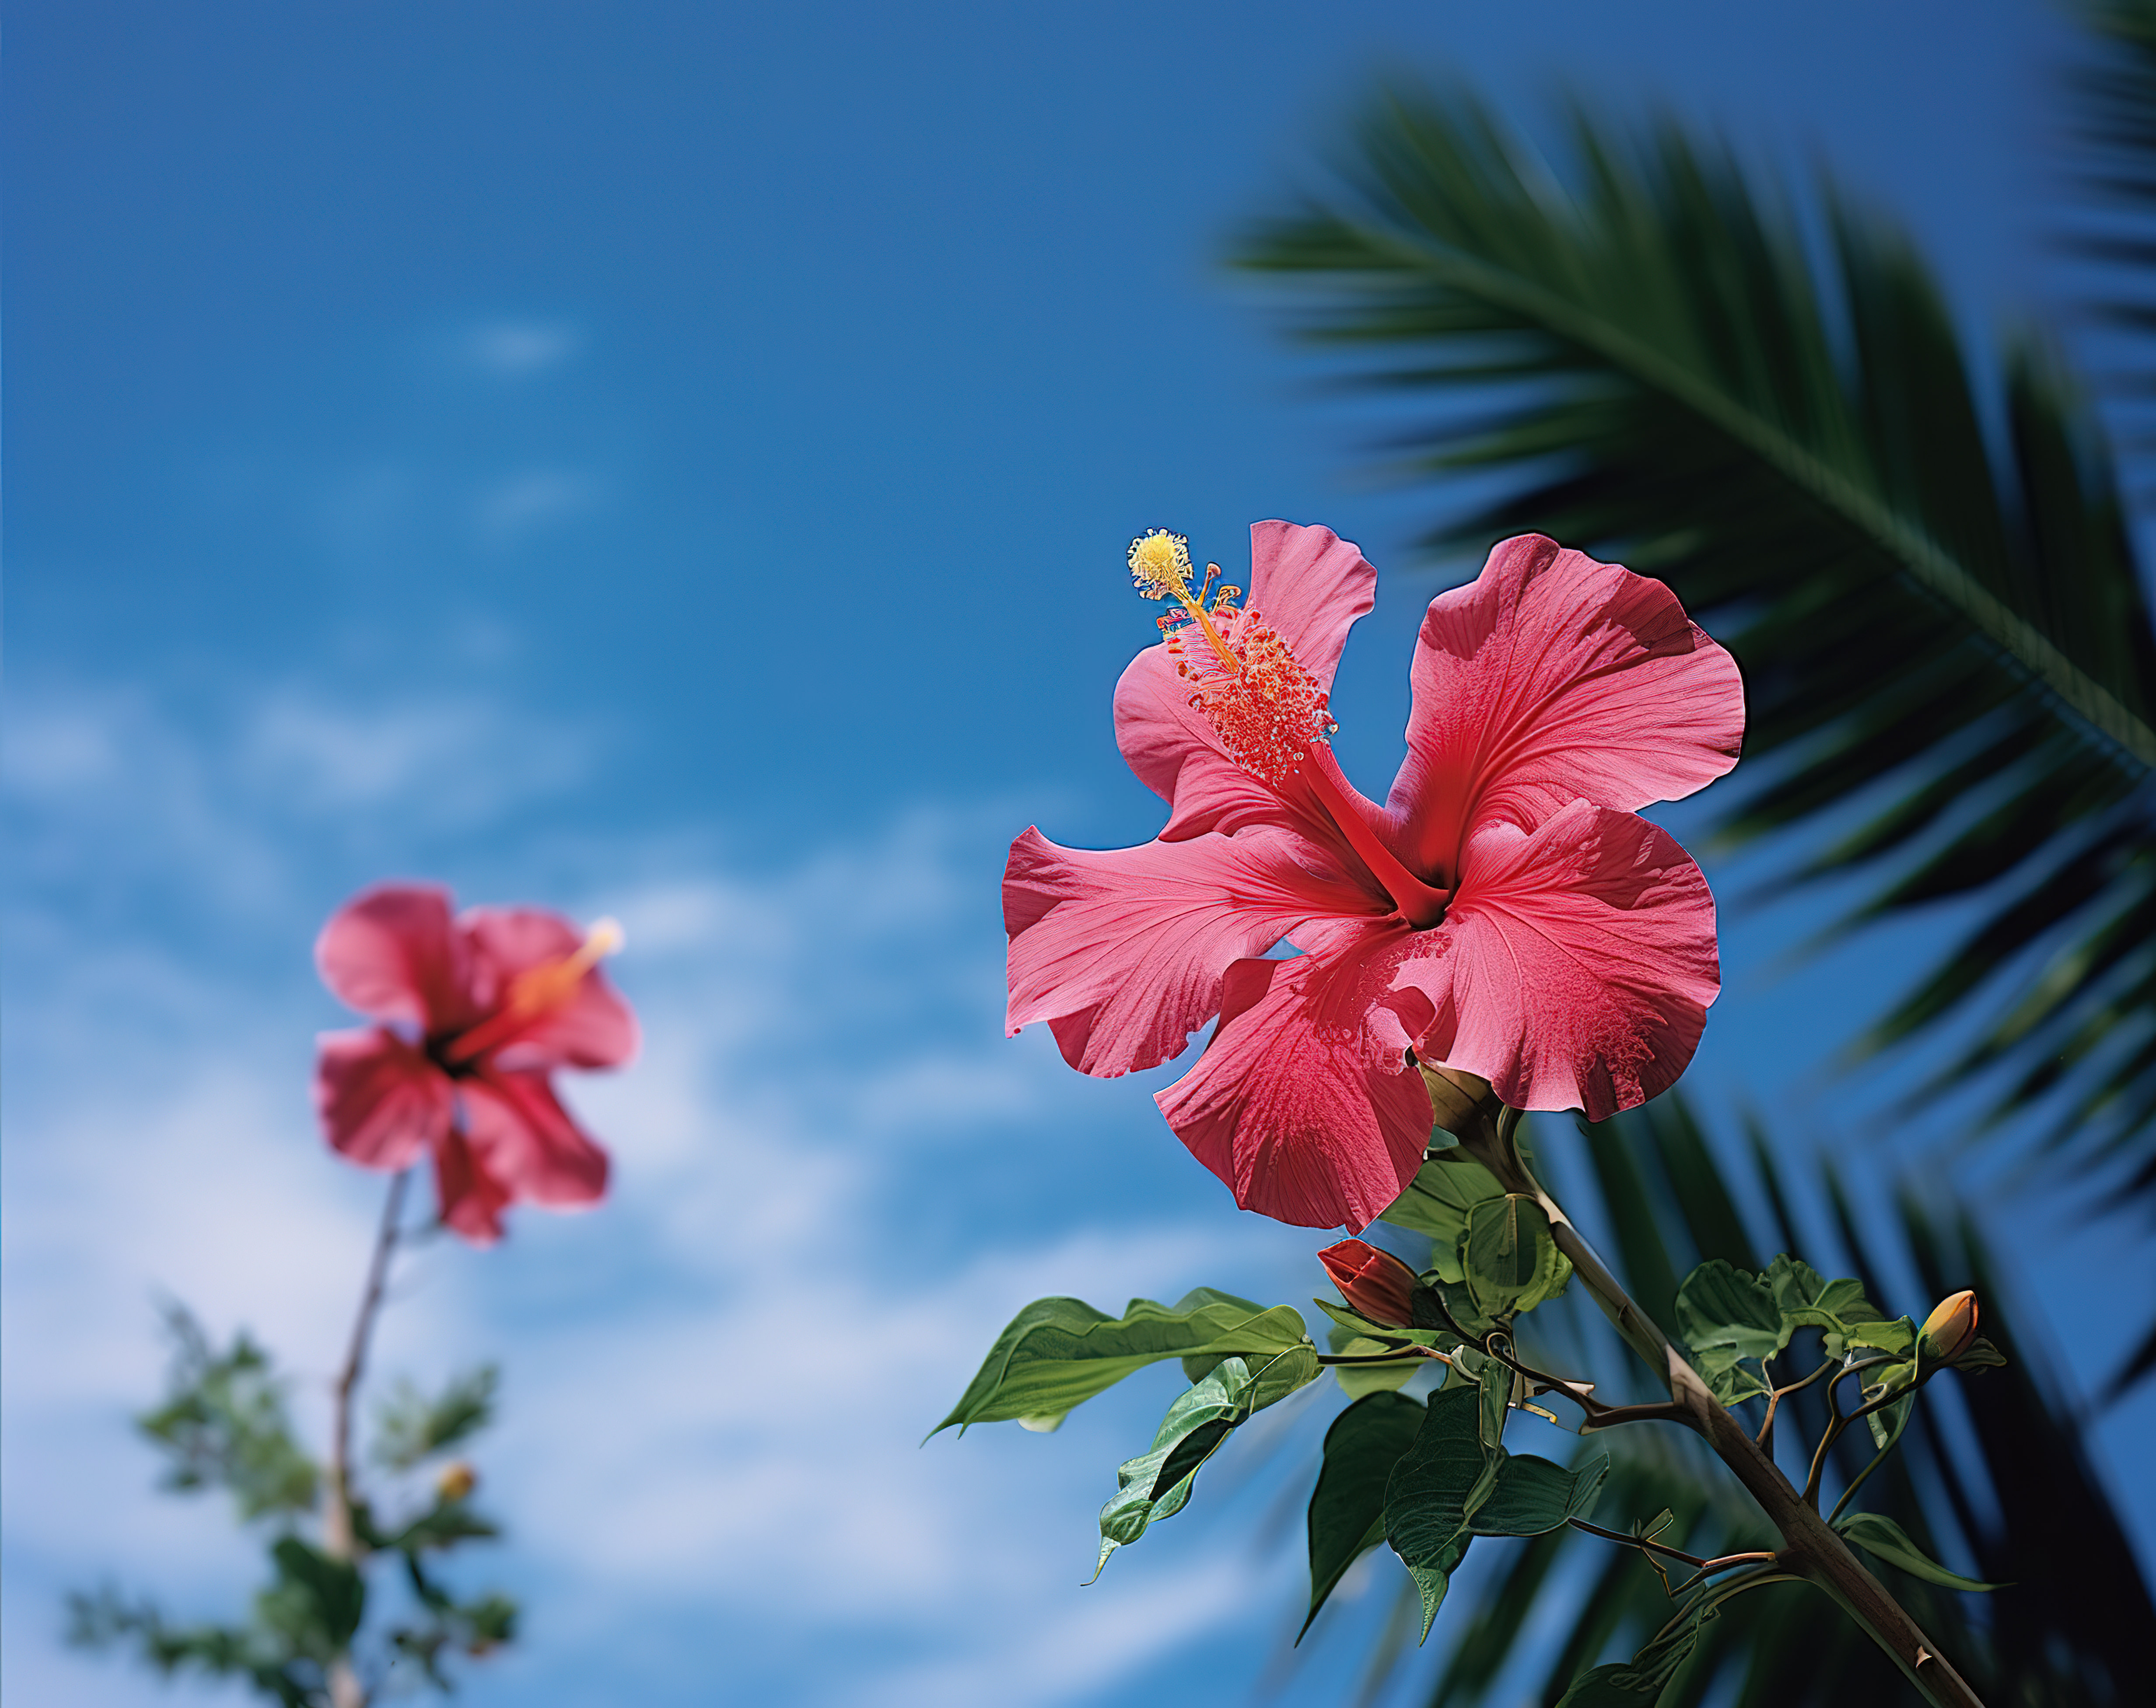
(1160, 565)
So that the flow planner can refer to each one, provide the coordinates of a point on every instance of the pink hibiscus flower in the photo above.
(1505, 912)
(476, 1011)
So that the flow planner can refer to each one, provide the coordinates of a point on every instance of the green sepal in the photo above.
(1346, 1515)
(1057, 1353)
(1877, 1534)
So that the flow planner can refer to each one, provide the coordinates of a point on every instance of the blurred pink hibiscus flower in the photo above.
(475, 1011)
(1504, 913)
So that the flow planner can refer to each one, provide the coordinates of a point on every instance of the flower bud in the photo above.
(1375, 1282)
(1950, 1329)
(457, 1481)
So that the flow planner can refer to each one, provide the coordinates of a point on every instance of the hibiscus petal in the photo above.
(1302, 1103)
(594, 1029)
(1310, 586)
(523, 1138)
(471, 1200)
(1121, 951)
(381, 1101)
(390, 953)
(1552, 677)
(1575, 968)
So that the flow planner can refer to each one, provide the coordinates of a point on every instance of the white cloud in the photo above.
(509, 511)
(717, 1383)
(517, 349)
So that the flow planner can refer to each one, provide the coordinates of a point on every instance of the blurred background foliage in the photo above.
(1922, 550)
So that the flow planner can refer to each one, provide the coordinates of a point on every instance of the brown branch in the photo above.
(1812, 1550)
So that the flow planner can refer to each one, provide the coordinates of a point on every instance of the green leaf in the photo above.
(1358, 1380)
(1639, 1681)
(1348, 1509)
(1353, 1321)
(1430, 1581)
(1156, 1484)
(1877, 1534)
(1511, 1262)
(411, 1427)
(1534, 1496)
(450, 1522)
(1059, 1353)
(316, 1601)
(223, 1423)
(1428, 1496)
(1720, 1305)
(1436, 1202)
(1729, 1314)
(1887, 1425)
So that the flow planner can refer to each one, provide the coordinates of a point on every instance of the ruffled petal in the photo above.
(1309, 586)
(391, 953)
(1121, 951)
(381, 1101)
(1303, 1103)
(594, 1029)
(523, 1138)
(1552, 677)
(1575, 969)
(471, 1200)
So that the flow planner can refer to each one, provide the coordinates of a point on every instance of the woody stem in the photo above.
(1810, 1550)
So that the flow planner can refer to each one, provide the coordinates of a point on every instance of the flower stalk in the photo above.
(339, 1539)
(1810, 1549)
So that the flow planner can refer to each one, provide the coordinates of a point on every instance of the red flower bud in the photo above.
(1951, 1328)
(1375, 1282)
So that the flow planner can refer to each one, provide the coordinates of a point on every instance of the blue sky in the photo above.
(675, 460)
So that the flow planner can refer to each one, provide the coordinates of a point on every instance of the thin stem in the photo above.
(1813, 1551)
(1726, 1563)
(1857, 1482)
(1774, 1400)
(1635, 1541)
(1399, 1355)
(339, 1541)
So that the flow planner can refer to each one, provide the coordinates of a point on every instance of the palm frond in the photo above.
(1941, 627)
(2113, 226)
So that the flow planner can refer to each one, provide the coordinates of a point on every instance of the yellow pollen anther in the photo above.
(1160, 565)
(1265, 708)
